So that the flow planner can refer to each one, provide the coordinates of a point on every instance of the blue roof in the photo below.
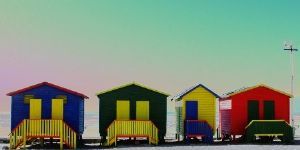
(180, 95)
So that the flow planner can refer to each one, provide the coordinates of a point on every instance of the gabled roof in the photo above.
(185, 92)
(129, 84)
(47, 84)
(244, 89)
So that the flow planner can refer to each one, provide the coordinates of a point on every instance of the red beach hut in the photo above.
(248, 106)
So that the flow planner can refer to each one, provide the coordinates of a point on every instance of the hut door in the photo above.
(57, 109)
(142, 110)
(269, 110)
(123, 110)
(253, 110)
(35, 111)
(191, 110)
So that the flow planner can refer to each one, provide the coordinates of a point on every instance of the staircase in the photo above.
(29, 130)
(132, 128)
(199, 128)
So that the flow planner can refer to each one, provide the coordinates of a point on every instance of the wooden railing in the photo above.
(132, 128)
(29, 129)
(199, 128)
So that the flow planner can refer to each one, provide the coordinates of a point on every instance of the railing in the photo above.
(29, 129)
(16, 138)
(269, 128)
(132, 128)
(199, 128)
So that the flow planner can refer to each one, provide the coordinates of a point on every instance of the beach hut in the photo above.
(196, 113)
(132, 111)
(256, 112)
(46, 111)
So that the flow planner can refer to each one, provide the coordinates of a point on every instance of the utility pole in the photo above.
(289, 47)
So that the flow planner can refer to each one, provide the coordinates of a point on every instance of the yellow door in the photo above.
(142, 110)
(57, 108)
(123, 110)
(35, 107)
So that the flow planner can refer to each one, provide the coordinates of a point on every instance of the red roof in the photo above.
(47, 84)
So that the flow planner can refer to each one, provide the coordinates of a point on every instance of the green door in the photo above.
(253, 110)
(269, 110)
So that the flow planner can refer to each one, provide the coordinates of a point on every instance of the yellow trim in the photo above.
(268, 134)
(265, 121)
(133, 83)
(35, 109)
(260, 85)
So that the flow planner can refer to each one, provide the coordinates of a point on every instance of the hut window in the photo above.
(64, 97)
(27, 98)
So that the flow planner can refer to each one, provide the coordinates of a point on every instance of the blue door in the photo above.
(191, 110)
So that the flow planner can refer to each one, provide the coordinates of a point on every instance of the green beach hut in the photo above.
(132, 111)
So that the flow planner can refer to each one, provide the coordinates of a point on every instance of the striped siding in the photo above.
(225, 121)
(206, 105)
(81, 116)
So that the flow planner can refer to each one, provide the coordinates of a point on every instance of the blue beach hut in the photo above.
(46, 111)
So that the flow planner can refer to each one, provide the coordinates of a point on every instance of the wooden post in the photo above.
(15, 139)
(61, 135)
(42, 142)
(149, 132)
(115, 124)
(24, 135)
(75, 142)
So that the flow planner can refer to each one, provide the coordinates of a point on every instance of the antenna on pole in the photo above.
(288, 46)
